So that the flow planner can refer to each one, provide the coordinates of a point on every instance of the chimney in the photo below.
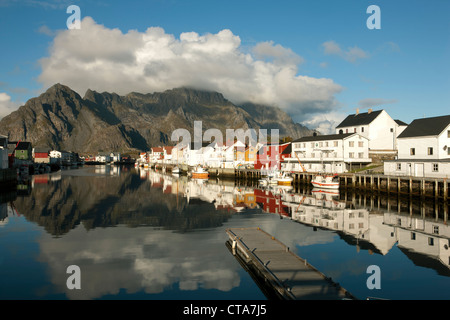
(357, 111)
(369, 111)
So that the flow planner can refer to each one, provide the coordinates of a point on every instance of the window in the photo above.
(312, 144)
(304, 144)
(361, 155)
(354, 130)
(430, 151)
(431, 241)
(336, 143)
(412, 151)
(436, 229)
(346, 130)
(399, 166)
(326, 144)
(321, 144)
(313, 155)
(362, 129)
(392, 129)
(351, 143)
(448, 133)
(435, 167)
(351, 155)
(360, 144)
(413, 236)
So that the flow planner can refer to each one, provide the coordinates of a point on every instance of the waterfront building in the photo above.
(377, 126)
(423, 149)
(4, 163)
(23, 151)
(41, 155)
(335, 153)
(271, 155)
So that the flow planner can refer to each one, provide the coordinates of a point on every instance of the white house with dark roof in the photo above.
(377, 126)
(335, 153)
(423, 149)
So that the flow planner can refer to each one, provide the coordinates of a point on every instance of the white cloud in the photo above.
(325, 123)
(106, 59)
(46, 30)
(373, 102)
(6, 105)
(351, 54)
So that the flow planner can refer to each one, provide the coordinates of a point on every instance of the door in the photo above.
(418, 170)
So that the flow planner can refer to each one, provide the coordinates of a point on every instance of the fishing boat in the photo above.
(284, 179)
(200, 173)
(325, 181)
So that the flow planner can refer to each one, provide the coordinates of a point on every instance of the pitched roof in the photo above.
(426, 127)
(400, 122)
(23, 145)
(359, 119)
(325, 137)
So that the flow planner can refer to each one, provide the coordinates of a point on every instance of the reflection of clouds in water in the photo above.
(296, 234)
(139, 259)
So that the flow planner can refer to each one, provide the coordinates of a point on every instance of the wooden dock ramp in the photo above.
(280, 270)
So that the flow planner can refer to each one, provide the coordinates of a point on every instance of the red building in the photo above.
(270, 156)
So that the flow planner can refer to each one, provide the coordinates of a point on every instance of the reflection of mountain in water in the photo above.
(103, 201)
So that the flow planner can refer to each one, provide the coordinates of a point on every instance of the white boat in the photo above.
(284, 179)
(325, 181)
(176, 170)
(200, 173)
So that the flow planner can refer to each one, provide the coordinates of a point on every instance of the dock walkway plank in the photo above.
(298, 278)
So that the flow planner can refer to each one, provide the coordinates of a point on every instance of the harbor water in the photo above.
(141, 234)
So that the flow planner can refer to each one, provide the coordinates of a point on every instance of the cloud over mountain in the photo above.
(107, 59)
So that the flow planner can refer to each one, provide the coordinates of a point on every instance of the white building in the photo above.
(423, 149)
(335, 153)
(4, 164)
(378, 127)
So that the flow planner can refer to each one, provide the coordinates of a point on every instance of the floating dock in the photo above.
(280, 272)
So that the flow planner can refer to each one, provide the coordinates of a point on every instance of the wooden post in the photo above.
(399, 185)
(388, 184)
(445, 190)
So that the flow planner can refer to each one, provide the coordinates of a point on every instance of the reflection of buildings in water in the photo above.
(421, 235)
(3, 214)
(415, 234)
(111, 170)
(7, 210)
(224, 196)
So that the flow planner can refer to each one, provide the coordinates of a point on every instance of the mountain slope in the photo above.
(61, 119)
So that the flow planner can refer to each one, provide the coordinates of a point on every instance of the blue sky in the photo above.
(403, 67)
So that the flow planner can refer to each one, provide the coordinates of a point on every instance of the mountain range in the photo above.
(63, 120)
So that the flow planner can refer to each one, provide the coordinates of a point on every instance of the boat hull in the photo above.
(284, 182)
(200, 175)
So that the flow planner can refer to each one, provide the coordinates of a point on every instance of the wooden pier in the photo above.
(278, 270)
(437, 188)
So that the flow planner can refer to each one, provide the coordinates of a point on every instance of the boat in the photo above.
(176, 170)
(200, 173)
(325, 181)
(284, 179)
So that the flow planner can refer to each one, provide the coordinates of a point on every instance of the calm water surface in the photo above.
(140, 234)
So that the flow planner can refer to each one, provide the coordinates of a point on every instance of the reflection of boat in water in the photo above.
(332, 192)
(325, 181)
(200, 173)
